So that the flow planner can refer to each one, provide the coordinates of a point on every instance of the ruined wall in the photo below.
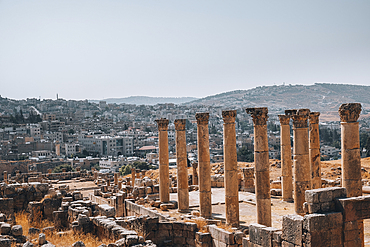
(21, 195)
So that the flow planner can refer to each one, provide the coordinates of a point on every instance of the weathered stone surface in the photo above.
(28, 244)
(42, 239)
(17, 230)
(5, 242)
(78, 244)
(5, 229)
(292, 229)
(204, 165)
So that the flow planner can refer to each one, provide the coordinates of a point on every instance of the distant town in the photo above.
(37, 135)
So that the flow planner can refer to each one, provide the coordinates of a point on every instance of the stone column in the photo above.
(133, 176)
(5, 177)
(302, 177)
(286, 158)
(231, 169)
(204, 165)
(261, 161)
(182, 166)
(164, 177)
(351, 156)
(116, 178)
(195, 173)
(314, 151)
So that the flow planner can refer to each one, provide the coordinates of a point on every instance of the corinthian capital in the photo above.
(349, 112)
(202, 118)
(284, 119)
(180, 124)
(314, 117)
(229, 116)
(300, 121)
(259, 115)
(162, 124)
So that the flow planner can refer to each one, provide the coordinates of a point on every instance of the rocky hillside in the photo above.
(322, 97)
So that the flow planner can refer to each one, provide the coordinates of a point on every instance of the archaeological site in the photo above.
(284, 202)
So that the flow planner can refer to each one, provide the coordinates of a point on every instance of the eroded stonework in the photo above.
(180, 124)
(259, 115)
(202, 118)
(229, 116)
(349, 112)
(162, 124)
(284, 119)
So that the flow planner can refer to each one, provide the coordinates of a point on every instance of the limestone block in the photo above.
(106, 210)
(267, 236)
(4, 242)
(17, 230)
(292, 229)
(78, 244)
(42, 239)
(28, 244)
(255, 235)
(5, 229)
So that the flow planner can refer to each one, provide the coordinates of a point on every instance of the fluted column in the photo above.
(182, 166)
(164, 177)
(231, 169)
(286, 158)
(315, 150)
(204, 165)
(351, 157)
(261, 161)
(302, 177)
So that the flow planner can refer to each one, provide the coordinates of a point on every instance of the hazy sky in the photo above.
(86, 49)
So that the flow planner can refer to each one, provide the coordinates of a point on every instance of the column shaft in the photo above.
(204, 165)
(116, 178)
(302, 177)
(231, 169)
(261, 160)
(164, 177)
(182, 166)
(286, 158)
(315, 150)
(351, 157)
(133, 176)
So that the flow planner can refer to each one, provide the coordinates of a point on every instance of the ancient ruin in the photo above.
(262, 166)
(286, 158)
(204, 165)
(164, 192)
(233, 205)
(231, 172)
(182, 166)
(302, 171)
(314, 151)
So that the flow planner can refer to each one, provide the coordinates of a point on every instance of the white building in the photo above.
(107, 145)
(328, 150)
